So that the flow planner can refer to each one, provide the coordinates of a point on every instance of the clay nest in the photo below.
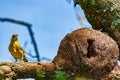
(88, 52)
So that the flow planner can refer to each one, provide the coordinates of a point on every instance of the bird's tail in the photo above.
(25, 59)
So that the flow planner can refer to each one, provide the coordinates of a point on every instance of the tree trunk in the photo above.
(103, 15)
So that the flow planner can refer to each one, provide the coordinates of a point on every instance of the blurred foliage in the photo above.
(92, 2)
(61, 75)
(41, 74)
(115, 23)
(82, 78)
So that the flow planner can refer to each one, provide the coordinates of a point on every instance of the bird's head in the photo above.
(14, 37)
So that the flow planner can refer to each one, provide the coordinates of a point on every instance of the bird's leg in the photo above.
(22, 57)
(15, 60)
(19, 60)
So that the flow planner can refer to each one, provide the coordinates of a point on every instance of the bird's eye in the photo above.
(13, 35)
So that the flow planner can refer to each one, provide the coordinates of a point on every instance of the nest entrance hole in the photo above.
(90, 49)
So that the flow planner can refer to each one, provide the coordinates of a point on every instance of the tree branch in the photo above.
(29, 27)
(15, 71)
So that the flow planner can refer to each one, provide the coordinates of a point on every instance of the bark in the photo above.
(13, 71)
(104, 15)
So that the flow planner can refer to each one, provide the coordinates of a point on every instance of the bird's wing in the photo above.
(18, 47)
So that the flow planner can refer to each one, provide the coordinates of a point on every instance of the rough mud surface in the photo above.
(89, 52)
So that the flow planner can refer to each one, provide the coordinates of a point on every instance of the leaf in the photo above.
(41, 74)
(61, 75)
(115, 23)
(92, 2)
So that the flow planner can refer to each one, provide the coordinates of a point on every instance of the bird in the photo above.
(16, 50)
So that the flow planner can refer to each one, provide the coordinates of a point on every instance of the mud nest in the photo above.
(88, 52)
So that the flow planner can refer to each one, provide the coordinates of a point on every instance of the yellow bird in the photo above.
(16, 50)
